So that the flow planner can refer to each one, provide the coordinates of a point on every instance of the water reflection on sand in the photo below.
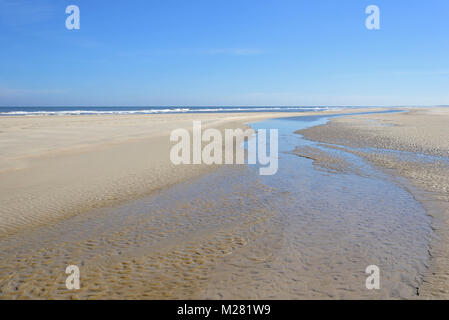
(306, 232)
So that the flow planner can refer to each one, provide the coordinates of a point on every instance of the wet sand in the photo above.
(55, 167)
(307, 232)
(413, 147)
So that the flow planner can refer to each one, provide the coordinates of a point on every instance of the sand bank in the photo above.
(414, 147)
(54, 167)
(227, 234)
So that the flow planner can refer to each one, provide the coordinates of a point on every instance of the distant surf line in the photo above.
(64, 111)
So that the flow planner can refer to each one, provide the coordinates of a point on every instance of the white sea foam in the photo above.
(92, 111)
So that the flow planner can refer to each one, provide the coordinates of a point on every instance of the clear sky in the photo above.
(224, 52)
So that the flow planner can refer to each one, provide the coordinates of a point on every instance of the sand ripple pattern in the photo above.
(308, 232)
(162, 247)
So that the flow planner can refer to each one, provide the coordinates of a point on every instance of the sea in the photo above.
(86, 110)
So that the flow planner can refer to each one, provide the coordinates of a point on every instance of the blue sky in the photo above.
(223, 52)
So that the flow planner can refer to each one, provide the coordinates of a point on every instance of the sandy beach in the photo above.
(412, 146)
(100, 192)
(56, 167)
(224, 158)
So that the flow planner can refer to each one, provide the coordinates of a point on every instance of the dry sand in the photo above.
(414, 147)
(56, 167)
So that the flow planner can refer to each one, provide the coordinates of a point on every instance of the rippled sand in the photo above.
(414, 147)
(55, 167)
(239, 239)
(161, 247)
(307, 232)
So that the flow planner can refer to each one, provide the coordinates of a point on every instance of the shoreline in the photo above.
(195, 238)
(214, 226)
(53, 168)
(411, 147)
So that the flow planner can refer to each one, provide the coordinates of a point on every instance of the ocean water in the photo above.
(306, 232)
(34, 111)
